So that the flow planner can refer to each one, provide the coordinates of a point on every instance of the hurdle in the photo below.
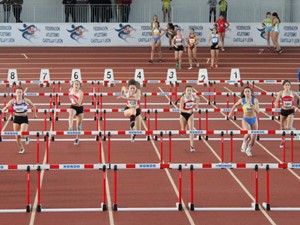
(102, 167)
(266, 205)
(146, 166)
(14, 167)
(254, 205)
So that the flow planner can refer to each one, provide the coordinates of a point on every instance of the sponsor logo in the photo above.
(77, 32)
(147, 166)
(225, 166)
(125, 31)
(71, 166)
(29, 31)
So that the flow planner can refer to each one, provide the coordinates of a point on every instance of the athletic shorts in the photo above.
(179, 48)
(138, 111)
(250, 121)
(21, 119)
(287, 112)
(214, 46)
(268, 29)
(78, 109)
(185, 115)
(156, 39)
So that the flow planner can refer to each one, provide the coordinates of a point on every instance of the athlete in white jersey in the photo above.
(132, 95)
(76, 108)
(20, 105)
(187, 104)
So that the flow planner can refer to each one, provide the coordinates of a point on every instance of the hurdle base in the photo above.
(179, 206)
(266, 206)
(28, 208)
(115, 207)
(191, 206)
(103, 206)
(39, 208)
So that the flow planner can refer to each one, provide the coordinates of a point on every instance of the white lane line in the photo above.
(185, 209)
(25, 56)
(231, 172)
(108, 198)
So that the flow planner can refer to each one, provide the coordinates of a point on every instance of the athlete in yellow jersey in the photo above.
(166, 8)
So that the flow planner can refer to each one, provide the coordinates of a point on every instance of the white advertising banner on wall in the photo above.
(133, 34)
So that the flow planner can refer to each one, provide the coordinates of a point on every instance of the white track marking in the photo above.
(25, 56)
(261, 51)
(207, 60)
(186, 211)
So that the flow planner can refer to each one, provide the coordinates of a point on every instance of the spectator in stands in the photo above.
(212, 9)
(82, 10)
(17, 10)
(125, 9)
(106, 11)
(170, 34)
(95, 10)
(223, 8)
(275, 32)
(69, 9)
(166, 8)
(6, 9)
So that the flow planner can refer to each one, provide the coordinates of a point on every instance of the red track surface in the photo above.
(148, 188)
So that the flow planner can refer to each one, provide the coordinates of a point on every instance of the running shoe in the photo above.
(160, 60)
(216, 65)
(198, 64)
(150, 61)
(281, 145)
(248, 151)
(27, 140)
(192, 149)
(80, 128)
(22, 150)
(190, 67)
(211, 66)
(132, 137)
(76, 142)
(70, 128)
(179, 67)
(223, 49)
(243, 147)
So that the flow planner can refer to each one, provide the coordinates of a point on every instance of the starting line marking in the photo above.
(261, 51)
(25, 56)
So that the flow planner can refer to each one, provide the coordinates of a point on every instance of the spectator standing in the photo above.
(125, 10)
(223, 8)
(95, 10)
(106, 11)
(69, 10)
(6, 9)
(82, 10)
(212, 9)
(17, 10)
(166, 8)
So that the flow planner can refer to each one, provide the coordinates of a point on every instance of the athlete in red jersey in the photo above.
(222, 24)
(187, 103)
(192, 48)
(287, 97)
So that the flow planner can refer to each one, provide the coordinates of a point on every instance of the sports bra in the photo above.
(188, 103)
(246, 106)
(287, 100)
(20, 107)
